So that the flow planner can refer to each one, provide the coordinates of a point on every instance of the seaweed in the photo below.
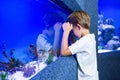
(12, 61)
(50, 59)
(3, 75)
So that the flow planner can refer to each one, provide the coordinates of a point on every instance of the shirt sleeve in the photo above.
(78, 46)
(42, 43)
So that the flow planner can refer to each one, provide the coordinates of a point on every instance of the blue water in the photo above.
(20, 23)
(111, 9)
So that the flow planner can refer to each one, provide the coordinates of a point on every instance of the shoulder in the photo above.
(87, 37)
(41, 36)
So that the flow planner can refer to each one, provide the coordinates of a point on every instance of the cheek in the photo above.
(77, 33)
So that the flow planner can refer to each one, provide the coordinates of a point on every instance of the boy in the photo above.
(49, 40)
(84, 48)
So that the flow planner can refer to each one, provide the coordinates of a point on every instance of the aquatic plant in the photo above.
(12, 61)
(32, 52)
(3, 75)
(50, 59)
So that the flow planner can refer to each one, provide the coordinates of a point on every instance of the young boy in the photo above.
(49, 38)
(84, 48)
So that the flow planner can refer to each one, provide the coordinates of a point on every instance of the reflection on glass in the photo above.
(23, 52)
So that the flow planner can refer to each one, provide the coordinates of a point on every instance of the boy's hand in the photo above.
(67, 26)
(57, 27)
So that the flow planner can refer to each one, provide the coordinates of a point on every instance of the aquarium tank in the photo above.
(21, 22)
(108, 26)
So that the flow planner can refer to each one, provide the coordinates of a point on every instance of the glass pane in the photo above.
(108, 26)
(21, 24)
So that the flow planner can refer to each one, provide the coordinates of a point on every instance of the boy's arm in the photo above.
(57, 27)
(67, 27)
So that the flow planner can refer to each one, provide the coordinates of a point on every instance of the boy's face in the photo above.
(77, 31)
(51, 32)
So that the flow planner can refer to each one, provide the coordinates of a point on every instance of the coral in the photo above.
(28, 71)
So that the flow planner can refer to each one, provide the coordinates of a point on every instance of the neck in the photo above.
(85, 32)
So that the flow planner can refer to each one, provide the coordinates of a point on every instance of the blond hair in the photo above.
(79, 17)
